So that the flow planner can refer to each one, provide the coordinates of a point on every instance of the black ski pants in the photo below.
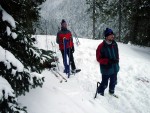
(104, 83)
(71, 58)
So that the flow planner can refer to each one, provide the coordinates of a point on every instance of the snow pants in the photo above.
(71, 58)
(104, 83)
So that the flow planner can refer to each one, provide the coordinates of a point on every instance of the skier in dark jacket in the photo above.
(107, 55)
(65, 33)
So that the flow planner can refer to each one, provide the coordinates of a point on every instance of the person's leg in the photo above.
(112, 84)
(103, 85)
(62, 53)
(71, 58)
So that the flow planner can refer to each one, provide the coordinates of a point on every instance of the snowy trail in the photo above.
(76, 95)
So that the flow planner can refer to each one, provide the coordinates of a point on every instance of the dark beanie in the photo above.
(108, 32)
(63, 21)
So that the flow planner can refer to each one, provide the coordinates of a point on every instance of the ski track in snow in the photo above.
(77, 94)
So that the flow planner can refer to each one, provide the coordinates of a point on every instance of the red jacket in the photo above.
(64, 34)
(99, 55)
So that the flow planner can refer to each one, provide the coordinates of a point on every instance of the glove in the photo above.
(72, 49)
(113, 61)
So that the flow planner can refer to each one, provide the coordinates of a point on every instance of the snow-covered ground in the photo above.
(76, 95)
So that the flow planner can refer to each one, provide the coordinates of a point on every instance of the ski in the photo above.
(77, 41)
(98, 83)
(57, 76)
(61, 76)
(76, 71)
(95, 94)
(55, 55)
(76, 37)
(114, 95)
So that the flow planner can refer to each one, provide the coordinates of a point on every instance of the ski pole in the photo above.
(69, 59)
(65, 56)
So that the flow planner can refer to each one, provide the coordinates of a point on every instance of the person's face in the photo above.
(64, 25)
(110, 37)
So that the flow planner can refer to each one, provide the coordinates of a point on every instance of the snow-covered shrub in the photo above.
(21, 63)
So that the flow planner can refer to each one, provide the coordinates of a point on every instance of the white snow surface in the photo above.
(76, 95)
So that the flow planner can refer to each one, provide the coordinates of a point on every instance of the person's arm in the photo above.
(57, 38)
(71, 39)
(118, 53)
(99, 57)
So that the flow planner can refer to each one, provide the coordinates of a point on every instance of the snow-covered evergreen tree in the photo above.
(140, 22)
(135, 19)
(73, 11)
(20, 62)
(106, 15)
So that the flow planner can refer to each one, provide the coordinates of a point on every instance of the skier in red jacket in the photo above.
(65, 33)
